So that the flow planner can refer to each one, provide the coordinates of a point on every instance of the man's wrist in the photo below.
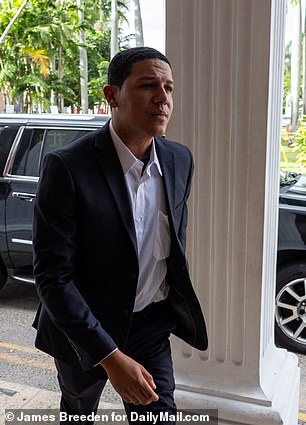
(104, 358)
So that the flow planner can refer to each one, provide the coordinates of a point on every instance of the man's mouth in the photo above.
(162, 115)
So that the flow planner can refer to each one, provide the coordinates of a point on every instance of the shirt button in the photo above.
(140, 219)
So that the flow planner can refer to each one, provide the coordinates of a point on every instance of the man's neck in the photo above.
(141, 152)
(140, 147)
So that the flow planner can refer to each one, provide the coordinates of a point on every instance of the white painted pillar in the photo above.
(227, 58)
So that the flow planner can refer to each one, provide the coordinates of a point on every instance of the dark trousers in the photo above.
(148, 344)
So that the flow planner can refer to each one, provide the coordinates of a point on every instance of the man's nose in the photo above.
(161, 96)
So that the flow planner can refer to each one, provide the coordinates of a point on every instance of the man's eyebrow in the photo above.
(151, 77)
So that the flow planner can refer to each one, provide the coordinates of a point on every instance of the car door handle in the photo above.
(28, 197)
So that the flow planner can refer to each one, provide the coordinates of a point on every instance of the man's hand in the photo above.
(130, 379)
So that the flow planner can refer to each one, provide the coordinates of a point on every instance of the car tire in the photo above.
(3, 274)
(290, 308)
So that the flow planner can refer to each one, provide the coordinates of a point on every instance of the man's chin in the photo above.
(160, 132)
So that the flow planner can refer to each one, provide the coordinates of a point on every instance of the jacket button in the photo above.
(126, 313)
(133, 276)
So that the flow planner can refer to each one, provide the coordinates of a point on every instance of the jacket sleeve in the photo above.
(55, 248)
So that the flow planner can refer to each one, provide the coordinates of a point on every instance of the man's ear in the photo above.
(110, 93)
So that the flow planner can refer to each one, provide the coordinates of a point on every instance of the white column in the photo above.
(227, 58)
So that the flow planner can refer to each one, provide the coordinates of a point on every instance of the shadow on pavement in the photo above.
(19, 296)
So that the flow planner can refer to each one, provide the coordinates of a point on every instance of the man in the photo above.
(109, 241)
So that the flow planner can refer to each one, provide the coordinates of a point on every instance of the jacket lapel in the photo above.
(110, 165)
(166, 160)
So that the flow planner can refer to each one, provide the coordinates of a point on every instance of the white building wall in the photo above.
(227, 58)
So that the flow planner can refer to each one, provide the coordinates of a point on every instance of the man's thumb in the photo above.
(149, 378)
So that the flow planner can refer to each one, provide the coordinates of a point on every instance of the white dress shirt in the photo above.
(148, 203)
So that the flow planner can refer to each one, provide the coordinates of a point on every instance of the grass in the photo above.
(288, 155)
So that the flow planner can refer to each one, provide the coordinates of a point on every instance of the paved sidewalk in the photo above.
(17, 396)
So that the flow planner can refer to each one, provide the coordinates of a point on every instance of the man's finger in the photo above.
(149, 378)
(146, 397)
(143, 394)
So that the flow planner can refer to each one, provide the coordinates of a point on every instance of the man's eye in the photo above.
(169, 89)
(147, 85)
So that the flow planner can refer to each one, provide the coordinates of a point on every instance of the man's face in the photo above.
(143, 105)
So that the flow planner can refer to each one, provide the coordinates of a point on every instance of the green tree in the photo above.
(40, 55)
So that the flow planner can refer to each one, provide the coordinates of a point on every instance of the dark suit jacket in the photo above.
(85, 254)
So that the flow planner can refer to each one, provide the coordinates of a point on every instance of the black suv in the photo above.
(25, 140)
(290, 300)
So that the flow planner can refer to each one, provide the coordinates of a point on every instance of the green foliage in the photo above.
(288, 161)
(299, 138)
(39, 57)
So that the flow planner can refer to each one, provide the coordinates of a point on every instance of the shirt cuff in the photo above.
(106, 357)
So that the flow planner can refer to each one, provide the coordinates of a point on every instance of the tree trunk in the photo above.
(138, 23)
(22, 102)
(114, 33)
(11, 23)
(304, 66)
(60, 99)
(83, 61)
(53, 70)
(295, 63)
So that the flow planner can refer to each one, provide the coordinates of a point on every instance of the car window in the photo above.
(7, 136)
(58, 138)
(35, 143)
(28, 153)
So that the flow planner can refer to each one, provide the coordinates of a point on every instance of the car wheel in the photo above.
(290, 308)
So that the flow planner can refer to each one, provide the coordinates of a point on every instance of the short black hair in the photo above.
(120, 66)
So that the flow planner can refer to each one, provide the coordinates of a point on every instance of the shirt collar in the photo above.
(127, 158)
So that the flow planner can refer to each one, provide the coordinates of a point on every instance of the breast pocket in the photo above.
(162, 239)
